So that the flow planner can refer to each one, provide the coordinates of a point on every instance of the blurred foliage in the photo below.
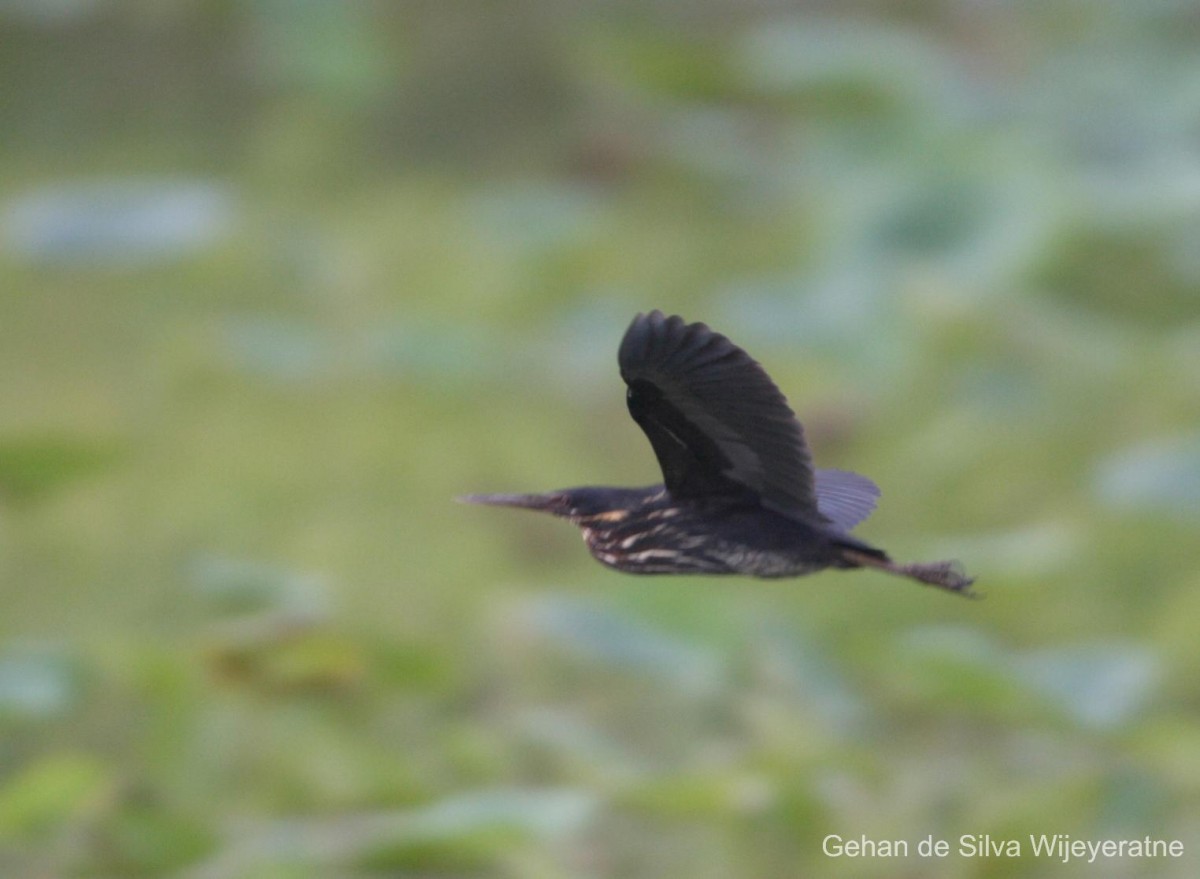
(34, 466)
(282, 277)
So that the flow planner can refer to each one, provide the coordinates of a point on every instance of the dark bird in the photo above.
(739, 492)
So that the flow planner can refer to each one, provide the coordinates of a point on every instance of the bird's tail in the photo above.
(943, 575)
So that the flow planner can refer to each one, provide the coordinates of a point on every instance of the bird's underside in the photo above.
(740, 494)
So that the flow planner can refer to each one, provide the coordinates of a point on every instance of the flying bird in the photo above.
(739, 494)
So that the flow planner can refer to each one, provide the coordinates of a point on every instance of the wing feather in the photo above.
(716, 421)
(845, 498)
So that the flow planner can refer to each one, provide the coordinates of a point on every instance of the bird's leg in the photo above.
(947, 575)
(943, 575)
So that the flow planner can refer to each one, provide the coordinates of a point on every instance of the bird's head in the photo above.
(579, 505)
(557, 503)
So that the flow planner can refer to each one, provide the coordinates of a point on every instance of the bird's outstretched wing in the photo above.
(717, 423)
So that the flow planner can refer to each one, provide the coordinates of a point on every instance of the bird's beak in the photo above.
(554, 502)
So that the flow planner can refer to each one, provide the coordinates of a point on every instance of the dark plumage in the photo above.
(739, 492)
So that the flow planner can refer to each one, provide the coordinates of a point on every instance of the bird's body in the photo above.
(645, 531)
(658, 536)
(740, 495)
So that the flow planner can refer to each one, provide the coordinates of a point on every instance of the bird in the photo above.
(740, 494)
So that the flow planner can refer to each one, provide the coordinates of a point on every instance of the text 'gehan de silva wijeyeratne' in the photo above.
(1059, 846)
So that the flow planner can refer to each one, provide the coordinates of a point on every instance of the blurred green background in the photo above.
(279, 278)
